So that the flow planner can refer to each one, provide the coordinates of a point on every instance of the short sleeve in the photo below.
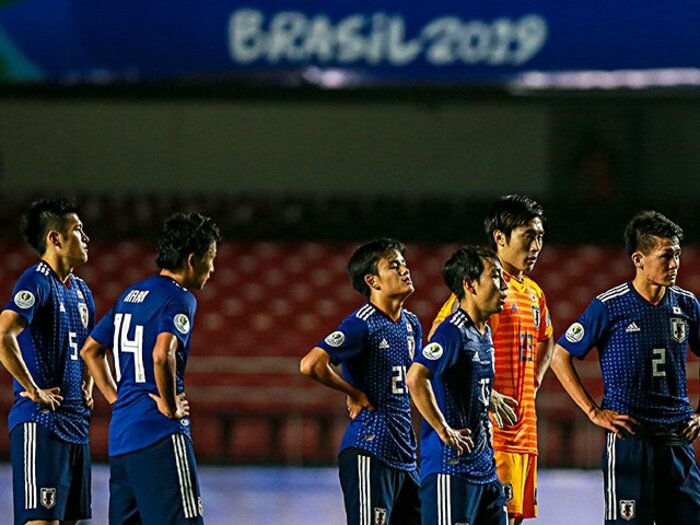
(442, 352)
(694, 336)
(103, 333)
(347, 341)
(587, 331)
(177, 317)
(31, 292)
(546, 329)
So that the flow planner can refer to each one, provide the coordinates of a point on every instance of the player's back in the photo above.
(142, 312)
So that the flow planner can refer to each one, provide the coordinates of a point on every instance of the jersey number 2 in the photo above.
(122, 343)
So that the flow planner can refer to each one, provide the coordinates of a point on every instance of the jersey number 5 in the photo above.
(122, 343)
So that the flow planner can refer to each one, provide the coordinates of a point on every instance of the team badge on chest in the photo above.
(679, 329)
(411, 347)
(84, 314)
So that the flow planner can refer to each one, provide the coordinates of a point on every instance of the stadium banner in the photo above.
(348, 43)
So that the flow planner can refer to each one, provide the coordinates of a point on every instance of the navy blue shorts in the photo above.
(157, 485)
(376, 494)
(452, 500)
(50, 478)
(647, 481)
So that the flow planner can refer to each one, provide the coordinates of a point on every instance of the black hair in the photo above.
(466, 264)
(183, 234)
(364, 261)
(508, 213)
(644, 226)
(45, 215)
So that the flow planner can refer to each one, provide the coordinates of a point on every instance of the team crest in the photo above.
(536, 316)
(48, 498)
(628, 509)
(679, 330)
(379, 516)
(84, 314)
(24, 299)
(411, 347)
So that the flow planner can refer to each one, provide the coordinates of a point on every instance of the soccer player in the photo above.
(41, 329)
(153, 474)
(450, 383)
(642, 330)
(375, 345)
(524, 339)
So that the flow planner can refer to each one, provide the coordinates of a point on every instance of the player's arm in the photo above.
(418, 382)
(563, 367)
(11, 325)
(316, 364)
(545, 350)
(170, 404)
(97, 369)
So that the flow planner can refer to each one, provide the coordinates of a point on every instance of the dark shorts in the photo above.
(376, 494)
(450, 500)
(647, 481)
(157, 485)
(50, 478)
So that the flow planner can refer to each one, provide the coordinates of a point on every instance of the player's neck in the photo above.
(178, 277)
(477, 317)
(60, 267)
(653, 293)
(390, 306)
(511, 270)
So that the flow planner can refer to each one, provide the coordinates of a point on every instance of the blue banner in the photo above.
(340, 43)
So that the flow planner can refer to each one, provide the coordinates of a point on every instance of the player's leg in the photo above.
(122, 500)
(677, 483)
(79, 497)
(513, 473)
(406, 508)
(628, 481)
(492, 507)
(446, 500)
(41, 474)
(369, 488)
(165, 482)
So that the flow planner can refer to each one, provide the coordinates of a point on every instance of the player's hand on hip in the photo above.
(356, 403)
(503, 409)
(51, 397)
(460, 440)
(182, 406)
(620, 424)
(692, 428)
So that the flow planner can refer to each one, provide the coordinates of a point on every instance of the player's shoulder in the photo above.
(412, 317)
(681, 292)
(615, 294)
(530, 282)
(38, 275)
(454, 324)
(363, 314)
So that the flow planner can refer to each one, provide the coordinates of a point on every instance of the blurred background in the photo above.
(306, 127)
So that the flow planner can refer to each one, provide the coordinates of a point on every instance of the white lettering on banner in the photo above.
(292, 37)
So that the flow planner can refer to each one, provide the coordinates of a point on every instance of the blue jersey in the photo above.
(642, 350)
(375, 352)
(142, 312)
(462, 363)
(59, 318)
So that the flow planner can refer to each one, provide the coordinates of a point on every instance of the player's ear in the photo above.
(54, 238)
(469, 287)
(499, 238)
(638, 259)
(372, 281)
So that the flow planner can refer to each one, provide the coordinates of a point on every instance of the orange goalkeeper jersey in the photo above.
(516, 331)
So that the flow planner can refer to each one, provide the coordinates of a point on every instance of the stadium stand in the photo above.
(269, 302)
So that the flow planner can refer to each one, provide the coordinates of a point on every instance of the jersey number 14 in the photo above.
(122, 343)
